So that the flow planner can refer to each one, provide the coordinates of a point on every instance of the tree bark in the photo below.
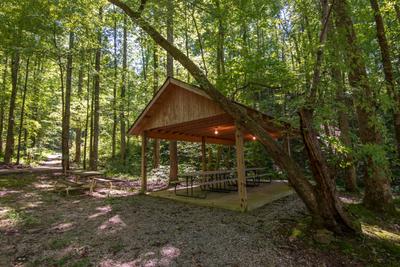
(87, 120)
(66, 119)
(350, 176)
(156, 148)
(123, 92)
(3, 103)
(114, 129)
(21, 119)
(14, 88)
(96, 109)
(378, 194)
(173, 146)
(295, 174)
(78, 129)
(387, 69)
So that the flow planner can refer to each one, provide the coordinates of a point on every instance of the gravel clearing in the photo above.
(47, 229)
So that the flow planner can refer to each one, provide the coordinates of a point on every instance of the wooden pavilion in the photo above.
(183, 112)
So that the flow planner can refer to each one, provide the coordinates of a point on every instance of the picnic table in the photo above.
(223, 181)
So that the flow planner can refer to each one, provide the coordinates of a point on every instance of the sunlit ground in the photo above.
(41, 226)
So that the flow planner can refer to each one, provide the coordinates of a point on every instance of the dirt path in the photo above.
(39, 227)
(51, 164)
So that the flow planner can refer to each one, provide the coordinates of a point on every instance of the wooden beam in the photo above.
(203, 154)
(188, 138)
(144, 164)
(240, 165)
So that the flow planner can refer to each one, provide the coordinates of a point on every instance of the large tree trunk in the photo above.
(3, 103)
(66, 119)
(14, 88)
(21, 119)
(335, 221)
(387, 69)
(123, 92)
(378, 194)
(94, 157)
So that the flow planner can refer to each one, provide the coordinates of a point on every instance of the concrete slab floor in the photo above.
(257, 196)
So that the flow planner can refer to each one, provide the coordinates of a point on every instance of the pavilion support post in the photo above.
(144, 164)
(173, 161)
(203, 154)
(240, 165)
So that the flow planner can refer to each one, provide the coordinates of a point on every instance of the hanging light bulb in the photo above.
(254, 138)
(216, 131)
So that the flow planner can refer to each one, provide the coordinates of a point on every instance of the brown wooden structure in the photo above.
(183, 112)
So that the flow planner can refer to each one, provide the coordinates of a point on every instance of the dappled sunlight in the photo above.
(164, 257)
(63, 227)
(377, 232)
(350, 199)
(101, 211)
(43, 185)
(5, 192)
(113, 224)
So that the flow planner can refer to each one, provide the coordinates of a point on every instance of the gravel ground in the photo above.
(39, 227)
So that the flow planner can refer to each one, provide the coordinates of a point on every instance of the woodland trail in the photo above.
(51, 164)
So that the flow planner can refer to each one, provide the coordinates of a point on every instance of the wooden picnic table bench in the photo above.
(216, 181)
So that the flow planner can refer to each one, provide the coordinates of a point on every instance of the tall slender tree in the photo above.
(14, 88)
(66, 118)
(94, 156)
(123, 90)
(387, 69)
(173, 145)
(21, 120)
(378, 194)
(3, 102)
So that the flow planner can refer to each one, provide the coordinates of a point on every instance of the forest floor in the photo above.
(39, 226)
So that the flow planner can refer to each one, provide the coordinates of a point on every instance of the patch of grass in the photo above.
(21, 217)
(82, 263)
(16, 181)
(379, 242)
(116, 247)
(59, 243)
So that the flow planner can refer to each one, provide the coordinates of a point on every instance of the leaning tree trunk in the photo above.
(329, 206)
(10, 130)
(378, 194)
(335, 221)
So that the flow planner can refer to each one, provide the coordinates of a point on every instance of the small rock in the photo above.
(323, 236)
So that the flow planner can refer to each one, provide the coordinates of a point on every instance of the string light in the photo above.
(216, 131)
(254, 138)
